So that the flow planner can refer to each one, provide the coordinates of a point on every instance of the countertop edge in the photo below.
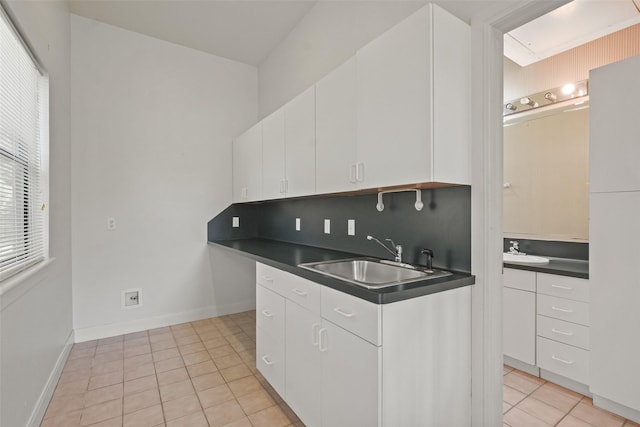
(380, 296)
(558, 270)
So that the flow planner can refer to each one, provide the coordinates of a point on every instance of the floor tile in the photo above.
(69, 419)
(62, 404)
(256, 401)
(235, 372)
(108, 357)
(227, 361)
(107, 367)
(136, 335)
(101, 412)
(220, 351)
(557, 396)
(224, 414)
(148, 417)
(169, 353)
(169, 364)
(173, 376)
(105, 380)
(181, 407)
(191, 348)
(140, 384)
(112, 422)
(520, 383)
(215, 342)
(202, 368)
(138, 372)
(215, 396)
(104, 394)
(137, 360)
(144, 399)
(207, 381)
(189, 339)
(197, 419)
(176, 390)
(596, 416)
(198, 357)
(244, 386)
(137, 350)
(511, 395)
(518, 418)
(571, 421)
(270, 417)
(541, 410)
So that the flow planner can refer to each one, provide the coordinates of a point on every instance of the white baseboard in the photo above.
(47, 392)
(565, 382)
(616, 408)
(120, 328)
(521, 366)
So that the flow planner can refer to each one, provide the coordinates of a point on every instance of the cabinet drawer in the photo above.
(566, 332)
(563, 286)
(294, 288)
(270, 311)
(353, 314)
(270, 359)
(564, 309)
(519, 279)
(562, 359)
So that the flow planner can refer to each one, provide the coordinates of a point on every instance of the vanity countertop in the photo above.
(560, 266)
(287, 256)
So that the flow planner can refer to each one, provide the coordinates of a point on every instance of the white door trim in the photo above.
(486, 200)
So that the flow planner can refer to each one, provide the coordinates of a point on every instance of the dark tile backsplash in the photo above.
(443, 225)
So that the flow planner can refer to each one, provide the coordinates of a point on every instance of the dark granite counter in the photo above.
(287, 256)
(560, 266)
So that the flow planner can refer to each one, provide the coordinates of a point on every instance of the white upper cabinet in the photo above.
(614, 127)
(336, 130)
(273, 167)
(413, 92)
(247, 165)
(300, 144)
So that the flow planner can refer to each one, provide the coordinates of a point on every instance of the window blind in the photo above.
(23, 128)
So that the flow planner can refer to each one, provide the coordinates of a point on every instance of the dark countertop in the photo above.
(287, 256)
(560, 266)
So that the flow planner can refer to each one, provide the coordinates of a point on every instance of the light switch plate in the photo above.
(297, 224)
(235, 222)
(327, 226)
(351, 227)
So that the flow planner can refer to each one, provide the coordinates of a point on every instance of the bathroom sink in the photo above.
(524, 259)
(372, 273)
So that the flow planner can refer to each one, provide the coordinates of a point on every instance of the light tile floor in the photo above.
(530, 401)
(193, 374)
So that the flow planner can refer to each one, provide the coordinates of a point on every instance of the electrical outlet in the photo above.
(111, 223)
(297, 224)
(327, 226)
(351, 227)
(131, 298)
(235, 222)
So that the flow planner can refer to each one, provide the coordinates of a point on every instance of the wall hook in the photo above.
(418, 205)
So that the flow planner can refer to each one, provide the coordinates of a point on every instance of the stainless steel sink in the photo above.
(372, 273)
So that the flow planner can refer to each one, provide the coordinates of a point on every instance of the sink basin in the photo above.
(524, 259)
(372, 273)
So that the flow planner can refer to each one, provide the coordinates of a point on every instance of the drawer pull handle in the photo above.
(565, 288)
(322, 336)
(267, 313)
(561, 332)
(563, 310)
(344, 313)
(266, 360)
(267, 279)
(566, 362)
(315, 334)
(300, 292)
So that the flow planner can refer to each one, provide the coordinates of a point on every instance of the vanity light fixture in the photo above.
(509, 106)
(568, 92)
(551, 97)
(528, 101)
(418, 205)
(568, 89)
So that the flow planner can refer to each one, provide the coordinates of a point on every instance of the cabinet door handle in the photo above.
(282, 186)
(342, 312)
(360, 171)
(322, 338)
(564, 288)
(267, 279)
(266, 360)
(566, 362)
(286, 186)
(563, 310)
(352, 174)
(315, 332)
(267, 313)
(299, 292)
(561, 332)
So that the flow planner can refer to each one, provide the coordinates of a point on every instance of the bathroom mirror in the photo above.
(546, 189)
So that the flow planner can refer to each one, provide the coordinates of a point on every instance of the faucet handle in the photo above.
(514, 244)
(429, 253)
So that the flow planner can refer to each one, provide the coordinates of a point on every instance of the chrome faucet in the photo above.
(396, 251)
(514, 248)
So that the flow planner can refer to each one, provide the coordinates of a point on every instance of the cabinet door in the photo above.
(300, 144)
(614, 234)
(247, 165)
(273, 156)
(350, 373)
(394, 112)
(336, 132)
(519, 325)
(303, 380)
(614, 127)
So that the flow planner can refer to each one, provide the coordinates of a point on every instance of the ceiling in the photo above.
(242, 30)
(571, 25)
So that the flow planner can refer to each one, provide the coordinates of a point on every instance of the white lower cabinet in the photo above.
(519, 325)
(336, 354)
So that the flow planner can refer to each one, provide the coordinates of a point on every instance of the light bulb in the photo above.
(568, 89)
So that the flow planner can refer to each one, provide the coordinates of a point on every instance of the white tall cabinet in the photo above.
(614, 233)
(273, 167)
(247, 165)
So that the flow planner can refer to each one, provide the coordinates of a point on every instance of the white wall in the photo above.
(35, 317)
(330, 33)
(152, 124)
